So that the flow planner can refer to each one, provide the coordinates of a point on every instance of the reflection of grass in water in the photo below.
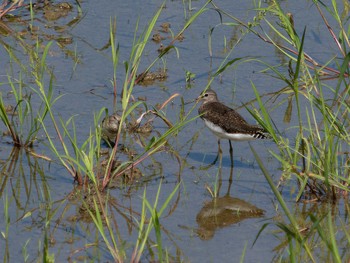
(24, 184)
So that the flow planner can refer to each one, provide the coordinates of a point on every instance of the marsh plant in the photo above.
(22, 119)
(318, 94)
(317, 160)
(83, 161)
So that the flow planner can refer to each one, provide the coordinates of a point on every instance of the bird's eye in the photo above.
(206, 95)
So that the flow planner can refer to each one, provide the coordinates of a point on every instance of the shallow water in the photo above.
(35, 186)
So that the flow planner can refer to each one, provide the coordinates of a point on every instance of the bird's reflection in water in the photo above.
(224, 211)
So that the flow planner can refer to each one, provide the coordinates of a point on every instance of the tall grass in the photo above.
(317, 160)
(82, 160)
(22, 121)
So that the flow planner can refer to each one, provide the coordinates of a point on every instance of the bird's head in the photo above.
(207, 96)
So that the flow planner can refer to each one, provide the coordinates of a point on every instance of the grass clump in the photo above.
(318, 158)
(83, 159)
(314, 156)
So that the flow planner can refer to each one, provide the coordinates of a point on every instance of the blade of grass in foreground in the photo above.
(279, 197)
(154, 222)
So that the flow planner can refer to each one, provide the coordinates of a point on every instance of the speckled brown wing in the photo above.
(227, 118)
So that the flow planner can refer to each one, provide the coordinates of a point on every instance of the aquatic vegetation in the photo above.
(21, 120)
(318, 159)
(321, 135)
(82, 161)
(108, 201)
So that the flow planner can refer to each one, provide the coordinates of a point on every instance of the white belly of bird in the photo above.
(218, 131)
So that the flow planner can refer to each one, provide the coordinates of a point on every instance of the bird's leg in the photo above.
(230, 182)
(219, 145)
(231, 153)
(219, 183)
(231, 170)
(216, 158)
(219, 154)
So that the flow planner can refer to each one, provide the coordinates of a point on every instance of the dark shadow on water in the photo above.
(207, 159)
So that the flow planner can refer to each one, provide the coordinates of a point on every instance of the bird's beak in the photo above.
(191, 101)
(200, 97)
